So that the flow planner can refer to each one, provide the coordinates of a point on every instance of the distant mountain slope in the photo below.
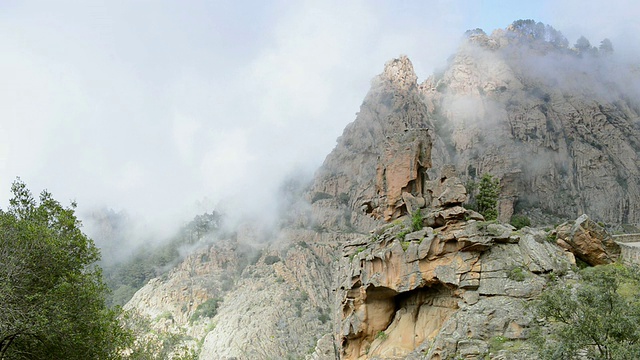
(559, 125)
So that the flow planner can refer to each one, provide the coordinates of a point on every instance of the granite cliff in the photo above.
(380, 257)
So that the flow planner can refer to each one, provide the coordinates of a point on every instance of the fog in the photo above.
(167, 109)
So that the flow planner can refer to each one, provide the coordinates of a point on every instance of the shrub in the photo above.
(516, 274)
(165, 315)
(208, 309)
(323, 317)
(271, 259)
(520, 221)
(552, 237)
(416, 220)
(320, 196)
(598, 318)
(344, 198)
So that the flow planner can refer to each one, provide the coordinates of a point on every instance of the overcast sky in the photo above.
(154, 106)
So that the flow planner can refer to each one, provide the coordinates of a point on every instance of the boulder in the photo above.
(588, 241)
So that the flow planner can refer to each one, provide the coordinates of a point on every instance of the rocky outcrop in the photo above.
(382, 157)
(588, 241)
(442, 290)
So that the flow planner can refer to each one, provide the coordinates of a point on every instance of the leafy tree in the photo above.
(487, 198)
(598, 317)
(529, 28)
(555, 37)
(606, 47)
(474, 32)
(582, 43)
(584, 46)
(51, 294)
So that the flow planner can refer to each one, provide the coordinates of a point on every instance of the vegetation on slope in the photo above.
(127, 277)
(598, 317)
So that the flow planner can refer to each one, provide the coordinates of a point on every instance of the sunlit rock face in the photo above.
(385, 152)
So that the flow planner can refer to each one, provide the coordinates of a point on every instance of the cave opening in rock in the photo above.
(417, 316)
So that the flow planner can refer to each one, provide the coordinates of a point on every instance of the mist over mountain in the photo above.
(382, 255)
(558, 124)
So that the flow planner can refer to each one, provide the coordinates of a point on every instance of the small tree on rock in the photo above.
(487, 198)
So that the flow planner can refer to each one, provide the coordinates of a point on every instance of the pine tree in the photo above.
(487, 198)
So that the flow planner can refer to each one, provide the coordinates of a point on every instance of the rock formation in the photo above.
(385, 152)
(411, 292)
(588, 241)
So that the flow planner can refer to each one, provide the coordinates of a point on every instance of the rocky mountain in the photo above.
(381, 257)
(558, 126)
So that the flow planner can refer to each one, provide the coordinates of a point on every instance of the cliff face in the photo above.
(559, 129)
(382, 260)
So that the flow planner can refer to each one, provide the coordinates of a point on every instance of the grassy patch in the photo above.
(165, 315)
(516, 274)
(496, 344)
(552, 237)
(382, 335)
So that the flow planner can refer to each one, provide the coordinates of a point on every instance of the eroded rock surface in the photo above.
(382, 156)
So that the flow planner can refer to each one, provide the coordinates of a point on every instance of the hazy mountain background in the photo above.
(160, 111)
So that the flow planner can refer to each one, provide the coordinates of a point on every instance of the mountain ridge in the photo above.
(345, 273)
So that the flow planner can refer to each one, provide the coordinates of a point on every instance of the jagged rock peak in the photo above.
(400, 73)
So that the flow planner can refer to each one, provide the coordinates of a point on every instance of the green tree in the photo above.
(584, 46)
(599, 316)
(52, 297)
(606, 47)
(487, 198)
